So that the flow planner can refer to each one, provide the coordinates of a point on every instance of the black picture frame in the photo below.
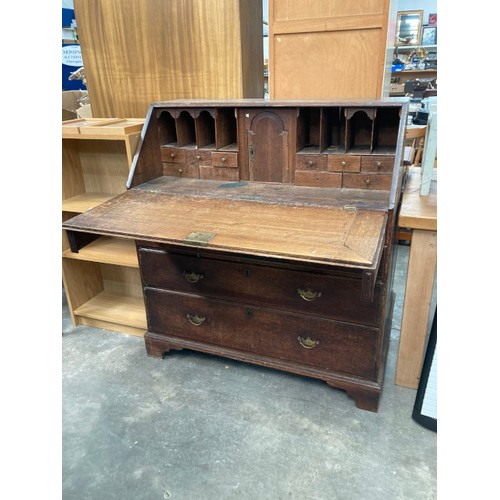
(429, 360)
(429, 35)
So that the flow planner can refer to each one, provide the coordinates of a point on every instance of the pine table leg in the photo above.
(416, 307)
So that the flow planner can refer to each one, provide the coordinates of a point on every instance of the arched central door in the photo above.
(267, 148)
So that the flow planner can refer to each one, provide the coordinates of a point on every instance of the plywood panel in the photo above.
(139, 51)
(123, 280)
(73, 183)
(289, 10)
(104, 165)
(348, 58)
(82, 281)
(328, 49)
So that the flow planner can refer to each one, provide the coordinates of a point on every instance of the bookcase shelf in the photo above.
(117, 310)
(107, 250)
(83, 202)
(102, 281)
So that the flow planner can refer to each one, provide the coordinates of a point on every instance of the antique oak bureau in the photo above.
(265, 233)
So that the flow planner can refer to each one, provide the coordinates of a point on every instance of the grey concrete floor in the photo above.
(194, 426)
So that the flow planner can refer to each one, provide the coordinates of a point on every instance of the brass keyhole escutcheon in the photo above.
(249, 313)
(247, 273)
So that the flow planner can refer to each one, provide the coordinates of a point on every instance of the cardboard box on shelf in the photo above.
(397, 87)
(75, 104)
(84, 111)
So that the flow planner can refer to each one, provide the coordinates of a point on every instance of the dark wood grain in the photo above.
(270, 238)
(260, 284)
(333, 236)
(266, 332)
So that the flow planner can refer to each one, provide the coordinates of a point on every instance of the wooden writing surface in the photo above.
(417, 211)
(163, 212)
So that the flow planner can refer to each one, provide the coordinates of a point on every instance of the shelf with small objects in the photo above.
(414, 68)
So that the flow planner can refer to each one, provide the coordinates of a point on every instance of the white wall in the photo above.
(265, 12)
(428, 6)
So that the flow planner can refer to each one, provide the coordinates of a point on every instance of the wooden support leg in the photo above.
(154, 350)
(157, 345)
(416, 307)
(365, 398)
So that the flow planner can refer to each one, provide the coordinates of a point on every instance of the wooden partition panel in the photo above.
(139, 51)
(328, 48)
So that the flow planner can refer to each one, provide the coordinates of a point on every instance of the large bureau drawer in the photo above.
(312, 293)
(321, 343)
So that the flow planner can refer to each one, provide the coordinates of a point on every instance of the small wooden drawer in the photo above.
(310, 162)
(344, 163)
(173, 155)
(318, 179)
(224, 159)
(317, 342)
(381, 182)
(331, 296)
(219, 173)
(377, 164)
(180, 170)
(198, 157)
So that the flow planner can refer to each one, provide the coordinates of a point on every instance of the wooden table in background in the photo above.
(418, 213)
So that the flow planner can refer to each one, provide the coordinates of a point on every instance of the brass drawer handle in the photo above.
(198, 157)
(310, 163)
(308, 294)
(308, 343)
(192, 277)
(379, 164)
(195, 320)
(344, 164)
(172, 155)
(223, 159)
